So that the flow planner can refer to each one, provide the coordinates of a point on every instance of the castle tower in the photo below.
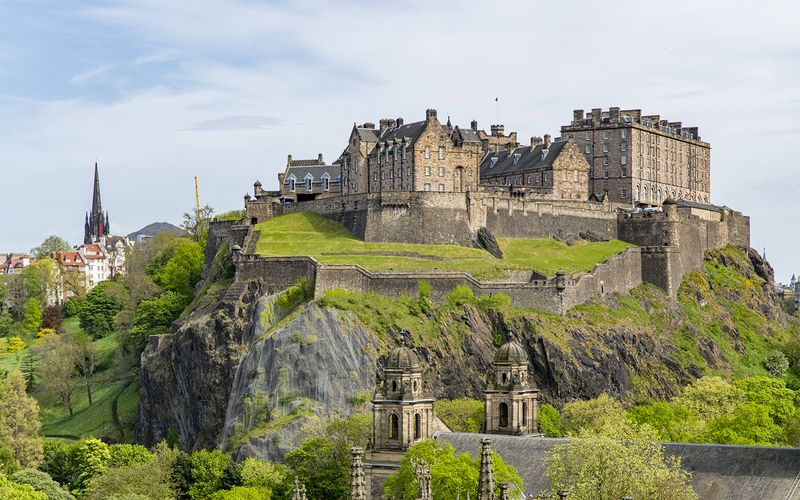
(402, 409)
(486, 474)
(358, 490)
(511, 399)
(96, 224)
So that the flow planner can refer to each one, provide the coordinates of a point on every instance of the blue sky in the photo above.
(158, 92)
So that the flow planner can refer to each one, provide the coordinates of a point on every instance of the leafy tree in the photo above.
(709, 397)
(73, 306)
(181, 268)
(41, 481)
(452, 476)
(59, 461)
(85, 356)
(549, 421)
(128, 455)
(748, 424)
(196, 224)
(460, 415)
(780, 401)
(53, 318)
(19, 423)
(57, 371)
(92, 457)
(32, 318)
(590, 414)
(97, 313)
(28, 369)
(148, 480)
(155, 317)
(243, 493)
(671, 421)
(200, 474)
(317, 466)
(6, 322)
(39, 281)
(617, 460)
(274, 477)
(51, 244)
(12, 491)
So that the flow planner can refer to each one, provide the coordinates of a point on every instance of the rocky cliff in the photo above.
(245, 369)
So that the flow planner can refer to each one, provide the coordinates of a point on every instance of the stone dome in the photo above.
(402, 358)
(511, 352)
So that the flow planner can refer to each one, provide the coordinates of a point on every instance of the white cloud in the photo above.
(88, 76)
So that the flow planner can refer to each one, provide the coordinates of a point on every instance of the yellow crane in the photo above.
(197, 197)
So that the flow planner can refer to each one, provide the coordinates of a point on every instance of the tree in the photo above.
(19, 423)
(53, 318)
(40, 281)
(617, 460)
(92, 457)
(671, 421)
(57, 368)
(85, 355)
(155, 317)
(181, 268)
(32, 319)
(748, 424)
(28, 369)
(274, 477)
(51, 244)
(317, 466)
(590, 414)
(59, 462)
(41, 481)
(709, 397)
(12, 491)
(461, 415)
(452, 476)
(149, 479)
(549, 421)
(243, 493)
(197, 224)
(97, 313)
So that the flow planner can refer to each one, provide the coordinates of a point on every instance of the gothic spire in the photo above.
(486, 477)
(422, 471)
(97, 206)
(358, 490)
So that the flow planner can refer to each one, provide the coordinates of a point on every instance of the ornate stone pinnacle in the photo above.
(358, 483)
(486, 477)
(422, 471)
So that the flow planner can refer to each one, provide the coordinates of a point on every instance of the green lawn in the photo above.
(307, 233)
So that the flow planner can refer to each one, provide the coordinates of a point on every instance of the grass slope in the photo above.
(307, 233)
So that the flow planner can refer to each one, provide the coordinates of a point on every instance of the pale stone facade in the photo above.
(353, 160)
(511, 400)
(641, 159)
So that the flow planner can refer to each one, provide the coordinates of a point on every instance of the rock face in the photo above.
(486, 240)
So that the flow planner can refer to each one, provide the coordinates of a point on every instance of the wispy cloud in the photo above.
(88, 76)
(157, 56)
(237, 123)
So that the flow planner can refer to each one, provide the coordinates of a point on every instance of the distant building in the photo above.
(97, 264)
(304, 180)
(641, 159)
(71, 275)
(96, 225)
(14, 263)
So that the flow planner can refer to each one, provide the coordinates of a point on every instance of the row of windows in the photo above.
(623, 133)
(427, 187)
(326, 184)
(428, 171)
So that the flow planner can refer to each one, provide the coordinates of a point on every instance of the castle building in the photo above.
(353, 160)
(511, 400)
(96, 224)
(553, 169)
(640, 159)
(309, 179)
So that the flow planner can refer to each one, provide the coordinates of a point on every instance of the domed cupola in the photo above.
(404, 359)
(511, 352)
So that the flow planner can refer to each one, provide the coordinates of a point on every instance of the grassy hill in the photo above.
(109, 387)
(306, 233)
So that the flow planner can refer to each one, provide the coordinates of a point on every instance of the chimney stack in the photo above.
(319, 159)
(368, 125)
(289, 161)
(597, 116)
(430, 114)
(535, 141)
(400, 121)
(474, 125)
(547, 140)
(577, 117)
(497, 130)
(613, 115)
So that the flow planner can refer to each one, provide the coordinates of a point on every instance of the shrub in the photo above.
(126, 455)
(461, 295)
(73, 306)
(59, 462)
(461, 415)
(91, 459)
(13, 491)
(275, 477)
(549, 421)
(777, 364)
(243, 493)
(41, 481)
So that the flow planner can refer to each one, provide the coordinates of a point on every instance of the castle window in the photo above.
(588, 149)
(427, 152)
(605, 148)
(624, 160)
(427, 170)
(524, 422)
(405, 151)
(394, 427)
(605, 174)
(503, 414)
(417, 426)
(291, 185)
(623, 193)
(441, 152)
(623, 146)
(309, 186)
(566, 176)
(441, 171)
(394, 385)
(605, 160)
(605, 134)
(441, 188)
(326, 181)
(623, 134)
(588, 136)
(576, 176)
(623, 172)
(427, 186)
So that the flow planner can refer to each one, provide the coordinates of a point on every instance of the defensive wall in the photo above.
(554, 295)
(670, 243)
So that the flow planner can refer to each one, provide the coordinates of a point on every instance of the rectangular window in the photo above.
(427, 153)
(588, 136)
(605, 160)
(546, 178)
(623, 193)
(405, 151)
(576, 176)
(605, 148)
(427, 170)
(623, 134)
(441, 152)
(566, 176)
(605, 134)
(623, 172)
(605, 174)
(441, 171)
(441, 188)
(427, 186)
(588, 149)
(623, 146)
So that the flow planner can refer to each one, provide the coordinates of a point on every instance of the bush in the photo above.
(13, 491)
(59, 462)
(73, 306)
(97, 313)
(461, 295)
(200, 474)
(777, 364)
(243, 493)
(91, 459)
(126, 455)
(461, 415)
(275, 477)
(41, 481)
(150, 480)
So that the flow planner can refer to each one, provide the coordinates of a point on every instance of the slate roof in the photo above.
(467, 134)
(695, 204)
(529, 159)
(304, 163)
(412, 131)
(316, 171)
(718, 471)
(367, 134)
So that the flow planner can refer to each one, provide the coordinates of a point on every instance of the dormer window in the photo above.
(516, 158)
(309, 182)
(494, 161)
(326, 182)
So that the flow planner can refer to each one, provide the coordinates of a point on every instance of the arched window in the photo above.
(503, 414)
(505, 378)
(394, 385)
(524, 414)
(394, 427)
(327, 183)
(417, 426)
(415, 386)
(308, 183)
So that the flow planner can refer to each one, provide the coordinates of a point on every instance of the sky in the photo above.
(160, 92)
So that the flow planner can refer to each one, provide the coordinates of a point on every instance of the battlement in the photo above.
(616, 117)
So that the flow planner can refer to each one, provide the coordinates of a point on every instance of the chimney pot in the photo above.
(547, 139)
(474, 125)
(430, 114)
(319, 159)
(289, 160)
(400, 121)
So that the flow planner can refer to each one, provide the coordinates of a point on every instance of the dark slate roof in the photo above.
(316, 171)
(367, 134)
(718, 471)
(410, 130)
(695, 204)
(467, 134)
(304, 163)
(529, 159)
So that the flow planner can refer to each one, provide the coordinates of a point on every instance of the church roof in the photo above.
(402, 358)
(718, 471)
(511, 352)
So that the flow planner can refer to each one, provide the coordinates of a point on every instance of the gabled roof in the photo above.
(467, 134)
(409, 131)
(529, 159)
(317, 171)
(70, 259)
(367, 134)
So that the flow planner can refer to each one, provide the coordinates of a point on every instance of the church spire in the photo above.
(486, 477)
(97, 206)
(97, 223)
